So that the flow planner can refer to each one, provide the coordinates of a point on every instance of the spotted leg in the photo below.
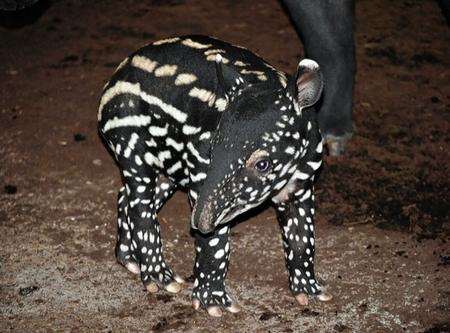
(296, 219)
(140, 247)
(210, 270)
(123, 251)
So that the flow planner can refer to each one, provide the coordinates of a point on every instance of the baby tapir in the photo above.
(200, 114)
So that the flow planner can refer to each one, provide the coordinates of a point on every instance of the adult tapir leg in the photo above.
(445, 7)
(326, 29)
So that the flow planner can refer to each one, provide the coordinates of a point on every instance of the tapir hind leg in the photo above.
(139, 245)
(123, 251)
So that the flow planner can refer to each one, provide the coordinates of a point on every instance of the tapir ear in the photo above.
(309, 83)
(228, 78)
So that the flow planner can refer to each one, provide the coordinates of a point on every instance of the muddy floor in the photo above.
(382, 224)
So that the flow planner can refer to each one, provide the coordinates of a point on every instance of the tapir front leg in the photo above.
(296, 219)
(210, 270)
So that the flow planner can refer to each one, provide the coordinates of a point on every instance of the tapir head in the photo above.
(259, 140)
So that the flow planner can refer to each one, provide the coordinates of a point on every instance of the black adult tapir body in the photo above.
(326, 29)
(215, 119)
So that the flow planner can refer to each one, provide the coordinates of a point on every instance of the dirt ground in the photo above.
(383, 209)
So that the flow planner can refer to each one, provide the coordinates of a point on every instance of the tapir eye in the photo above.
(262, 165)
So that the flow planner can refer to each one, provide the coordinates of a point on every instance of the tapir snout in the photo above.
(203, 217)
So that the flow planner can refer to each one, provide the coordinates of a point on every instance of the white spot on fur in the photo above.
(214, 242)
(172, 143)
(138, 160)
(129, 121)
(305, 196)
(151, 159)
(240, 63)
(166, 70)
(184, 79)
(151, 143)
(221, 104)
(202, 94)
(290, 150)
(196, 154)
(205, 136)
(217, 58)
(319, 147)
(260, 75)
(301, 175)
(174, 168)
(190, 130)
(223, 231)
(198, 177)
(219, 254)
(166, 41)
(195, 45)
(214, 51)
(164, 155)
(143, 63)
(314, 165)
(158, 131)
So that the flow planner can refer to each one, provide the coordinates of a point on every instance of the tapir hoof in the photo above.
(303, 299)
(215, 310)
(336, 144)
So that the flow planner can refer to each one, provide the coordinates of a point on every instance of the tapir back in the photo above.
(166, 94)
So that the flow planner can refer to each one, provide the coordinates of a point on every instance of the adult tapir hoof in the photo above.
(336, 144)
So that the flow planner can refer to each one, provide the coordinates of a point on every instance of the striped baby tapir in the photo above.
(216, 120)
